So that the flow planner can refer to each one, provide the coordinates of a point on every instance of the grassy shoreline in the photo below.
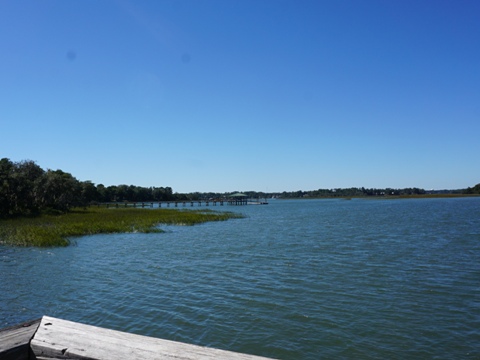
(55, 230)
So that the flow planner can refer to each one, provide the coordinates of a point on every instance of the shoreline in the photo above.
(384, 197)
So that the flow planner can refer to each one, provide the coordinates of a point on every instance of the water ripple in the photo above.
(294, 280)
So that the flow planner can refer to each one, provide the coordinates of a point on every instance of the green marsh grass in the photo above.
(55, 230)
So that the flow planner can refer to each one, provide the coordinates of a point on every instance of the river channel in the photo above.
(299, 279)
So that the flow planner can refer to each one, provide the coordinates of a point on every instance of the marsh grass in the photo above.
(55, 230)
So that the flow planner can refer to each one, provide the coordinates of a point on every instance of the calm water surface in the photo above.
(309, 279)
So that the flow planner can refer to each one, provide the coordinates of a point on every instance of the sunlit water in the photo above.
(294, 280)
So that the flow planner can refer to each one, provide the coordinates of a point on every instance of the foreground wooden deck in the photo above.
(51, 338)
(15, 341)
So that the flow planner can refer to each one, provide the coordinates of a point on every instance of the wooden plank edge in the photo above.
(15, 340)
(63, 339)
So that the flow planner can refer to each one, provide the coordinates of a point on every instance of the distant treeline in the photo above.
(474, 190)
(27, 189)
(364, 192)
(353, 192)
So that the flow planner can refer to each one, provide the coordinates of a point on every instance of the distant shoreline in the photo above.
(384, 197)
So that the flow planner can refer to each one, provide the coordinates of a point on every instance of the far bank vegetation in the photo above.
(28, 190)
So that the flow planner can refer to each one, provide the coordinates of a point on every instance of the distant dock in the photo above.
(185, 203)
(50, 338)
(234, 199)
(176, 203)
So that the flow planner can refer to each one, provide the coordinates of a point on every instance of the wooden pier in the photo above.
(184, 203)
(181, 203)
(234, 199)
(51, 338)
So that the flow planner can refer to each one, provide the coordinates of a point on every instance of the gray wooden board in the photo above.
(15, 340)
(62, 339)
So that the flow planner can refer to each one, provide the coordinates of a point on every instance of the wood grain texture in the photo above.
(15, 340)
(62, 339)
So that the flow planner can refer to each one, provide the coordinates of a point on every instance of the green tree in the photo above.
(59, 191)
(19, 187)
(121, 193)
(89, 193)
(27, 177)
(6, 186)
(474, 190)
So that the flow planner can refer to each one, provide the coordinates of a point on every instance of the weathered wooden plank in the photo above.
(15, 340)
(56, 338)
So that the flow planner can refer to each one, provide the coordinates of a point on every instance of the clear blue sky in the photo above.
(224, 95)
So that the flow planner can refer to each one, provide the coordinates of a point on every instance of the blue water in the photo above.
(363, 279)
